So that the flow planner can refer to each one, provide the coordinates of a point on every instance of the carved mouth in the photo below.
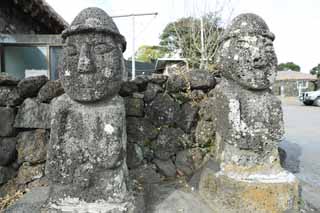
(259, 66)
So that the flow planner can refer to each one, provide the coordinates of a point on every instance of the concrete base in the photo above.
(75, 205)
(263, 193)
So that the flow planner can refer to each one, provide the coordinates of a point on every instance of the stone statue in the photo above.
(86, 164)
(249, 125)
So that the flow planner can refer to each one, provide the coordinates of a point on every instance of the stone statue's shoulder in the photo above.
(225, 90)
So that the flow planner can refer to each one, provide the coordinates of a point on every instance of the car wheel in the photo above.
(307, 103)
(317, 102)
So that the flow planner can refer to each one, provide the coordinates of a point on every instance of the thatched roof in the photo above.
(292, 75)
(43, 12)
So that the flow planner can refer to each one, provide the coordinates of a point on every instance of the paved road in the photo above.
(302, 144)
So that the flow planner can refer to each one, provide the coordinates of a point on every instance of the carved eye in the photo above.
(269, 47)
(72, 50)
(242, 43)
(103, 48)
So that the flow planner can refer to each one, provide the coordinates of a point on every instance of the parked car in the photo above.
(311, 98)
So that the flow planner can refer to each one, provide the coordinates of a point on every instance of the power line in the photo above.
(133, 15)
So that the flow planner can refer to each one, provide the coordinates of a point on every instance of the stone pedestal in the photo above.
(256, 192)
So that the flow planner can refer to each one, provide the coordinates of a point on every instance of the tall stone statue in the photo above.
(86, 163)
(249, 126)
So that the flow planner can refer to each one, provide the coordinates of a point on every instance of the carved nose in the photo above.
(258, 60)
(85, 63)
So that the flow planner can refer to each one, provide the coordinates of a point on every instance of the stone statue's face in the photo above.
(92, 67)
(249, 60)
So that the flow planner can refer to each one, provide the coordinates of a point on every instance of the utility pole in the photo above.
(202, 43)
(133, 36)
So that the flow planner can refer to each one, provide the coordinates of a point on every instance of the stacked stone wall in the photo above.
(24, 131)
(169, 127)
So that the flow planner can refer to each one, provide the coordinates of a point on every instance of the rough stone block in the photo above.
(32, 146)
(166, 168)
(151, 92)
(189, 160)
(134, 155)
(6, 173)
(28, 173)
(206, 111)
(7, 121)
(187, 116)
(7, 80)
(134, 106)
(128, 88)
(50, 90)
(200, 79)
(32, 114)
(158, 78)
(141, 81)
(169, 142)
(205, 133)
(30, 86)
(9, 96)
(31, 201)
(7, 151)
(163, 110)
(140, 131)
(176, 83)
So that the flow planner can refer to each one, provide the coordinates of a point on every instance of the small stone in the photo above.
(32, 114)
(134, 155)
(141, 81)
(7, 151)
(197, 95)
(32, 146)
(134, 107)
(187, 161)
(151, 92)
(50, 90)
(187, 116)
(158, 78)
(282, 156)
(148, 153)
(127, 88)
(7, 121)
(201, 79)
(163, 110)
(138, 95)
(206, 109)
(7, 80)
(205, 133)
(9, 96)
(146, 174)
(169, 142)
(29, 173)
(30, 86)
(140, 131)
(6, 173)
(31, 201)
(166, 168)
(176, 83)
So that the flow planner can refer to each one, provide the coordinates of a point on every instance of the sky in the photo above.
(294, 22)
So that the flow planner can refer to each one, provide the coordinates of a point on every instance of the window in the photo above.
(30, 55)
(25, 61)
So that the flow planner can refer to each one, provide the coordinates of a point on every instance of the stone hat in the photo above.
(247, 24)
(94, 19)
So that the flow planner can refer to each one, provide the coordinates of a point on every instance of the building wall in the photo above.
(14, 20)
(290, 87)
